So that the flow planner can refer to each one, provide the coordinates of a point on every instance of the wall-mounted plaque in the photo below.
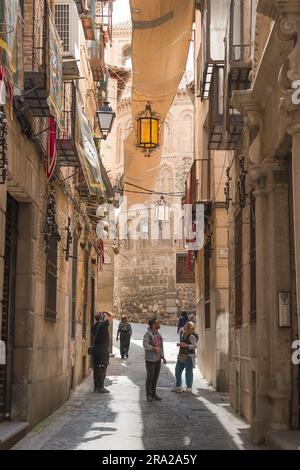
(284, 309)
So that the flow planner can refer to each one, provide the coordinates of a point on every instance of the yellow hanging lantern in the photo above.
(148, 130)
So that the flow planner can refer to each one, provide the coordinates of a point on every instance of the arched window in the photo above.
(126, 58)
(122, 134)
(167, 138)
(187, 133)
(166, 180)
(119, 144)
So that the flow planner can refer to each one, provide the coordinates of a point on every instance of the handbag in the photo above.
(182, 357)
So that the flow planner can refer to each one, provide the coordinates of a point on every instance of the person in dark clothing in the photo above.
(183, 319)
(154, 354)
(100, 349)
(125, 332)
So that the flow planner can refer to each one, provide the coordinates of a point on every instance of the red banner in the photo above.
(51, 149)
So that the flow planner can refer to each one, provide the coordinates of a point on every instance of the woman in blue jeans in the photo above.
(186, 358)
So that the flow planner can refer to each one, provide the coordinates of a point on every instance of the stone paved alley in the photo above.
(123, 420)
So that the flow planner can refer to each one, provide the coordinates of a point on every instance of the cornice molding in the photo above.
(275, 8)
(245, 102)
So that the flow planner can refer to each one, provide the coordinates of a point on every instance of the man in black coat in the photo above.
(100, 349)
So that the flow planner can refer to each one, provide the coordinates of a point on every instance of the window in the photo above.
(188, 133)
(252, 261)
(62, 21)
(74, 287)
(239, 269)
(51, 279)
(183, 275)
(126, 61)
(207, 286)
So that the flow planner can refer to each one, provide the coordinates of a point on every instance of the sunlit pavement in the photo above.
(123, 420)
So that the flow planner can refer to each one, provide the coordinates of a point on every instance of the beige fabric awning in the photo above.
(160, 44)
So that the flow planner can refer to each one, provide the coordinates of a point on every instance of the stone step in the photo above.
(172, 310)
(171, 295)
(283, 440)
(11, 432)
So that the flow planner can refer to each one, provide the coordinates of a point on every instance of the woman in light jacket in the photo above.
(186, 358)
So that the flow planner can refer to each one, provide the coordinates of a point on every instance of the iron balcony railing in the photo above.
(66, 138)
(36, 13)
(221, 137)
(238, 52)
(216, 109)
(212, 52)
(96, 55)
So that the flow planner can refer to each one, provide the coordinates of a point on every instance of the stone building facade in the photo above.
(257, 128)
(49, 253)
(146, 271)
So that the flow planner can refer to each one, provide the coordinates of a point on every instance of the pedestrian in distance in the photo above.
(100, 349)
(125, 332)
(154, 355)
(183, 319)
(186, 358)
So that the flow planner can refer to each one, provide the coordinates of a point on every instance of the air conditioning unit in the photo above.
(68, 26)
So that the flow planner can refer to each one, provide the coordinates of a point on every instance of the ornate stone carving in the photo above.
(289, 29)
(245, 103)
(274, 8)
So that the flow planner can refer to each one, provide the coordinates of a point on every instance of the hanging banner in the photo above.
(161, 35)
(51, 149)
(55, 74)
(11, 50)
(88, 154)
(106, 181)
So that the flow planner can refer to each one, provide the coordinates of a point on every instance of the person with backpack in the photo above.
(125, 332)
(154, 354)
(100, 349)
(186, 358)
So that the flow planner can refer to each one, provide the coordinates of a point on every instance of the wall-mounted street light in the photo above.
(106, 117)
(147, 135)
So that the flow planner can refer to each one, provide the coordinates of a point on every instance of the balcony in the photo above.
(96, 55)
(80, 4)
(216, 109)
(35, 62)
(89, 21)
(222, 137)
(106, 19)
(239, 37)
(214, 20)
(66, 139)
(67, 23)
(238, 40)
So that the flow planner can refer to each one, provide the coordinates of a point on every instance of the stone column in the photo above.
(273, 389)
(278, 280)
(25, 314)
(295, 132)
(263, 409)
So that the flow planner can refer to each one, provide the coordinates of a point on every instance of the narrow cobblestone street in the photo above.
(123, 420)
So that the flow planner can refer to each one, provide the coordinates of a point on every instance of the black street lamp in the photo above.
(106, 117)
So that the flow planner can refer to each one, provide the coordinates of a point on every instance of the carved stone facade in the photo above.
(264, 384)
(262, 197)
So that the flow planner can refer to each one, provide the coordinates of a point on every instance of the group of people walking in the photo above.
(154, 352)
